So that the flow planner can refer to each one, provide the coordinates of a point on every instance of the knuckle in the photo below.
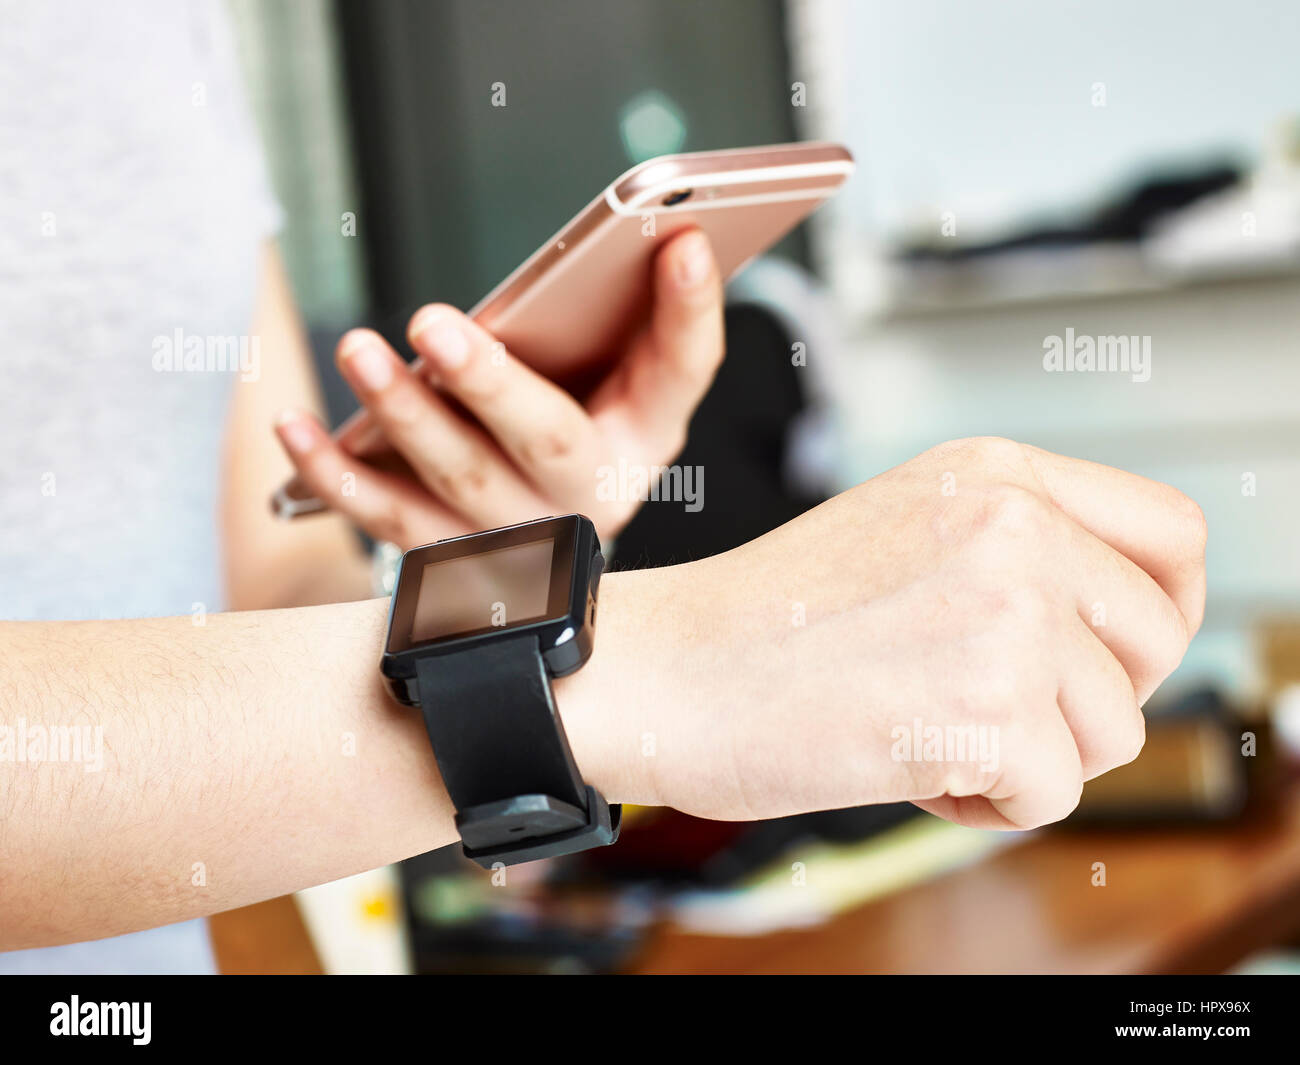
(988, 452)
(1056, 796)
(1185, 628)
(547, 447)
(1067, 798)
(1164, 641)
(1049, 809)
(315, 465)
(460, 485)
(324, 472)
(1133, 738)
(1028, 607)
(481, 381)
(997, 693)
(992, 699)
(1118, 733)
(1169, 654)
(1192, 521)
(403, 408)
(697, 373)
(1010, 514)
(1016, 620)
(1177, 639)
(957, 778)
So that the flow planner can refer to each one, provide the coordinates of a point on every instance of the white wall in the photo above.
(1223, 400)
(985, 108)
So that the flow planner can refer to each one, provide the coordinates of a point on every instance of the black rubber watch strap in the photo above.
(494, 727)
(504, 757)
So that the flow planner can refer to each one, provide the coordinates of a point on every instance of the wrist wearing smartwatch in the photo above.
(477, 627)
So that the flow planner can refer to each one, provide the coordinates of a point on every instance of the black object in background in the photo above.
(456, 192)
(1129, 216)
(738, 438)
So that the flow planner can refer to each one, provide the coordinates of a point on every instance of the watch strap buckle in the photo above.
(527, 827)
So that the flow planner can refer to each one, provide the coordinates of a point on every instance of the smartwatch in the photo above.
(477, 627)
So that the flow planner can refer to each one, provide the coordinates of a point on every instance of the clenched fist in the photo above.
(975, 631)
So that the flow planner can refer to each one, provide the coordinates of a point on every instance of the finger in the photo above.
(543, 429)
(1153, 524)
(449, 455)
(383, 504)
(672, 365)
(1134, 617)
(1099, 704)
(1041, 782)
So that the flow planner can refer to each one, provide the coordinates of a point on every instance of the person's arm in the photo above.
(229, 762)
(267, 562)
(258, 753)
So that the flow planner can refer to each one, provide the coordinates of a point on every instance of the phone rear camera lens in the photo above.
(677, 197)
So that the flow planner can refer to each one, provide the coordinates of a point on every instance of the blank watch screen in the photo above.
(501, 588)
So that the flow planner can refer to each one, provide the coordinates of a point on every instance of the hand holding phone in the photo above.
(477, 438)
(598, 298)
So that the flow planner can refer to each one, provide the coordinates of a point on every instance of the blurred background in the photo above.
(1025, 171)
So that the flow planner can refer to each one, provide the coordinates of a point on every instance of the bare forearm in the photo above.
(243, 758)
(270, 563)
(326, 573)
(252, 755)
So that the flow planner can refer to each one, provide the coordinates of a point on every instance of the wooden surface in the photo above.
(267, 938)
(1175, 900)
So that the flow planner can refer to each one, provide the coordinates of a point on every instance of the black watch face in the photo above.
(484, 583)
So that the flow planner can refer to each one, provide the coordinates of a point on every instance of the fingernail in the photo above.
(693, 260)
(294, 431)
(443, 342)
(371, 366)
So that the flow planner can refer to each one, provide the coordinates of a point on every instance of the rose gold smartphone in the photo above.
(567, 307)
